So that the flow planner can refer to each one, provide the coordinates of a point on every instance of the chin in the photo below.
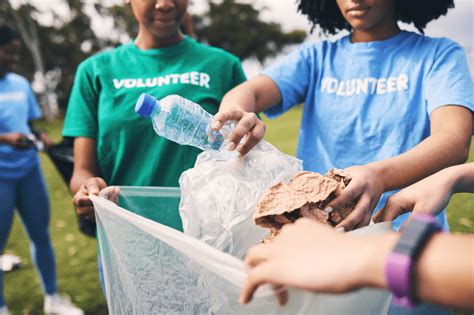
(361, 25)
(163, 36)
(163, 32)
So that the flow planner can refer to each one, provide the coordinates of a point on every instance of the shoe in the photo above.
(4, 311)
(60, 305)
(9, 262)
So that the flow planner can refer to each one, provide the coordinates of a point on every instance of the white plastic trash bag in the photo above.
(150, 268)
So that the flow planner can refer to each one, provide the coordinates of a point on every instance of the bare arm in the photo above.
(447, 145)
(462, 177)
(447, 281)
(253, 96)
(15, 139)
(240, 104)
(297, 258)
(437, 279)
(85, 178)
(430, 195)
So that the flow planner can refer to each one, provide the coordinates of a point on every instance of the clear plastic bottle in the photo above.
(180, 120)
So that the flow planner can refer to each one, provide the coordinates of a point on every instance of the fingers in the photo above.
(257, 254)
(365, 219)
(81, 199)
(417, 208)
(111, 193)
(115, 193)
(222, 116)
(256, 277)
(257, 258)
(281, 294)
(253, 138)
(377, 217)
(358, 216)
(392, 209)
(248, 125)
(82, 202)
(347, 195)
(92, 186)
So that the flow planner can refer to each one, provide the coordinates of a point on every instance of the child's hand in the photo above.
(81, 199)
(365, 187)
(430, 195)
(312, 256)
(247, 125)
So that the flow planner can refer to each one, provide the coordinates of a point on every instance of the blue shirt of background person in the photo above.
(366, 102)
(18, 106)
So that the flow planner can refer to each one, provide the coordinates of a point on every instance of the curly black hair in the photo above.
(326, 14)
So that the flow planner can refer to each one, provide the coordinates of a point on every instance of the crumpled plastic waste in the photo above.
(219, 195)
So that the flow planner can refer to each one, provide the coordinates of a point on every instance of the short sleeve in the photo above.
(238, 74)
(81, 115)
(34, 111)
(448, 81)
(291, 75)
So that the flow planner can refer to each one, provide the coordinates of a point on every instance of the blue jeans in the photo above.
(29, 196)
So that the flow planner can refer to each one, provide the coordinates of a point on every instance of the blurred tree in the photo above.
(53, 52)
(239, 29)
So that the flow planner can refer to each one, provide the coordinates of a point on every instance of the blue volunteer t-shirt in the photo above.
(17, 107)
(366, 102)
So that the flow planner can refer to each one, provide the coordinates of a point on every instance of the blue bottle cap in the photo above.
(145, 105)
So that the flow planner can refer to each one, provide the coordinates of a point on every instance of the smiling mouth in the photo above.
(159, 22)
(358, 11)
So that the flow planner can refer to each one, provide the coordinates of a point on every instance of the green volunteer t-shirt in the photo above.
(107, 86)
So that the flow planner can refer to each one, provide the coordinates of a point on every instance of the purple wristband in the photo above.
(398, 273)
(401, 261)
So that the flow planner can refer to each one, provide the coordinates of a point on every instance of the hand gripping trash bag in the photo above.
(150, 268)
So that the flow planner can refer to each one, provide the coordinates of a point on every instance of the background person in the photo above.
(21, 181)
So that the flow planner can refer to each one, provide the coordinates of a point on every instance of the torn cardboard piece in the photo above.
(306, 195)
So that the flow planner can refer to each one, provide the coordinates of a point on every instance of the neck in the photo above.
(376, 33)
(146, 41)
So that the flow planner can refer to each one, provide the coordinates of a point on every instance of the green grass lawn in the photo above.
(76, 254)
